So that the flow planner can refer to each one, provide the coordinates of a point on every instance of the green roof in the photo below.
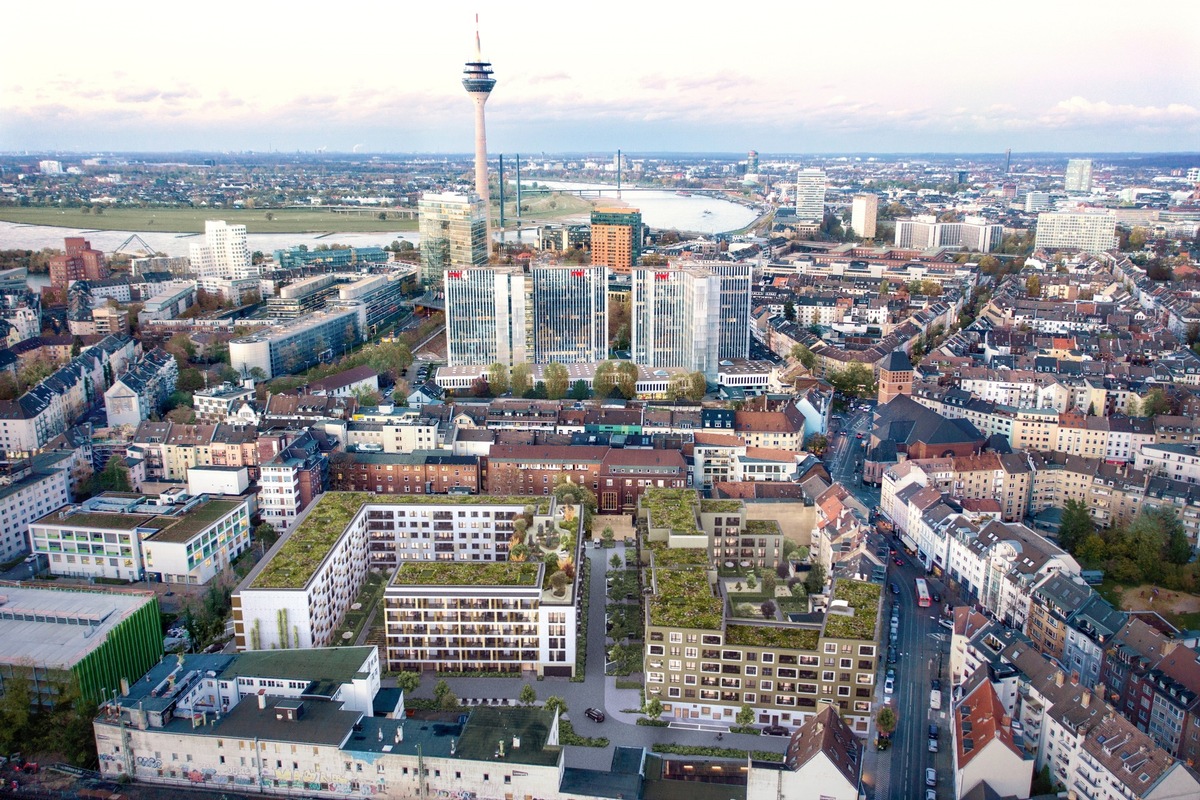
(487, 726)
(766, 527)
(674, 509)
(320, 665)
(685, 600)
(100, 519)
(297, 559)
(772, 636)
(467, 573)
(720, 506)
(864, 599)
(193, 522)
(679, 556)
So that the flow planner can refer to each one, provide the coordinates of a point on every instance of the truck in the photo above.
(935, 699)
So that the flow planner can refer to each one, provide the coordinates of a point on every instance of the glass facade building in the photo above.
(570, 314)
(453, 230)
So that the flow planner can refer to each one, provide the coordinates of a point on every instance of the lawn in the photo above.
(191, 220)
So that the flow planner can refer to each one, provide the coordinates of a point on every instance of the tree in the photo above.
(1076, 525)
(886, 721)
(697, 387)
(805, 356)
(114, 477)
(608, 536)
(497, 378)
(1033, 286)
(14, 711)
(654, 708)
(556, 377)
(408, 682)
(579, 390)
(266, 533)
(817, 444)
(815, 582)
(559, 582)
(768, 582)
(1154, 403)
(615, 561)
(520, 380)
(768, 609)
(528, 695)
(745, 716)
(190, 380)
(440, 690)
(480, 387)
(789, 311)
(555, 703)
(856, 380)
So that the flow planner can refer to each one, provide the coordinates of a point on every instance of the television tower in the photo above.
(478, 81)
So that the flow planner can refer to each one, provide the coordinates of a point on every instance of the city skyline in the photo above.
(792, 80)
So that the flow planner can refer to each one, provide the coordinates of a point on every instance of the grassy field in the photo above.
(191, 220)
(284, 220)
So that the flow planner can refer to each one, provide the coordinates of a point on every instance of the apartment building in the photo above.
(291, 348)
(221, 402)
(1089, 232)
(291, 480)
(299, 596)
(173, 538)
(416, 472)
(616, 238)
(984, 750)
(1179, 462)
(31, 490)
(501, 617)
(143, 390)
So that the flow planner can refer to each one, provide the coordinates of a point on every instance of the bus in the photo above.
(923, 599)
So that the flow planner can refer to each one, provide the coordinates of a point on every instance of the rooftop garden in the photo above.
(195, 521)
(772, 636)
(669, 557)
(674, 509)
(685, 600)
(864, 599)
(720, 506)
(763, 527)
(468, 573)
(304, 550)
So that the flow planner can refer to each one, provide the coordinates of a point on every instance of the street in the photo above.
(847, 452)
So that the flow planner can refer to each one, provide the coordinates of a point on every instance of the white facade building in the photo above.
(31, 493)
(810, 195)
(1094, 232)
(864, 209)
(224, 252)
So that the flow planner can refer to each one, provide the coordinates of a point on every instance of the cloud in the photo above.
(1081, 112)
(549, 77)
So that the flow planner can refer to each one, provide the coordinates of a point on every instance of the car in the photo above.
(935, 685)
(946, 623)
(891, 656)
(930, 776)
(899, 561)
(930, 794)
(858, 436)
(889, 685)
(933, 731)
(937, 598)
(891, 673)
(933, 745)
(594, 714)
(776, 730)
(894, 588)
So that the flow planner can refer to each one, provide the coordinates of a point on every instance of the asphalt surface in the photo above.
(847, 452)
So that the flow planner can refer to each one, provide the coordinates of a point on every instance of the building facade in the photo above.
(488, 316)
(224, 253)
(616, 238)
(570, 314)
(453, 231)
(1088, 232)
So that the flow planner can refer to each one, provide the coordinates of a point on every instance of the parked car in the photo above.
(930, 794)
(930, 776)
(933, 745)
(948, 624)
(594, 714)
(776, 730)
(889, 685)
(891, 656)
(895, 589)
(933, 731)
(937, 598)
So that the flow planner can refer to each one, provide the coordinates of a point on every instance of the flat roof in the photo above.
(467, 573)
(337, 664)
(75, 621)
(183, 528)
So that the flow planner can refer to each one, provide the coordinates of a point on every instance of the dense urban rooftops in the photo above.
(467, 573)
(863, 599)
(294, 564)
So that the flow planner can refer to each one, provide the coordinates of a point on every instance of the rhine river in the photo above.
(659, 208)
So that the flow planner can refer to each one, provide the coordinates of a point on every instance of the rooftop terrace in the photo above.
(467, 573)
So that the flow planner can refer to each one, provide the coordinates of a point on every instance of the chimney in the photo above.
(262, 699)
(1086, 698)
(516, 743)
(1074, 678)
(453, 746)
(124, 687)
(1058, 678)
(380, 736)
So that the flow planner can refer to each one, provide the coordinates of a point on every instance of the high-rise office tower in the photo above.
(453, 231)
(487, 316)
(691, 317)
(616, 238)
(1090, 232)
(224, 253)
(1079, 175)
(810, 195)
(863, 211)
(478, 81)
(752, 162)
(570, 314)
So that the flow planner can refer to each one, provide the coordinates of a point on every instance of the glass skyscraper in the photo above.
(453, 231)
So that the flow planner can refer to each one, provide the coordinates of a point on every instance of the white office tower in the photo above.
(453, 230)
(487, 316)
(924, 232)
(224, 253)
(1079, 175)
(1037, 201)
(863, 211)
(570, 314)
(691, 317)
(810, 195)
(1089, 232)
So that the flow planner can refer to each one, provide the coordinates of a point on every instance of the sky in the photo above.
(796, 77)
